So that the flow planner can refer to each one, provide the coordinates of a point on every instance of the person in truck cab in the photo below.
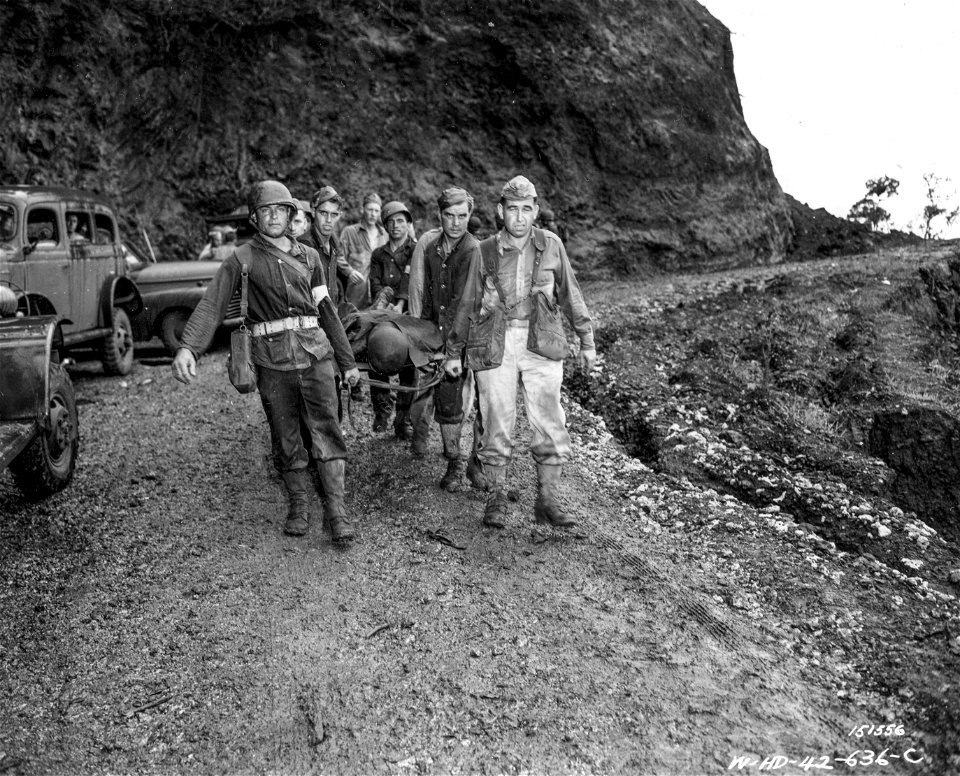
(7, 224)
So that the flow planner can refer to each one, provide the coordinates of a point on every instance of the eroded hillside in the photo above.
(625, 113)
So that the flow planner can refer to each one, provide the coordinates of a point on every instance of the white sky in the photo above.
(842, 91)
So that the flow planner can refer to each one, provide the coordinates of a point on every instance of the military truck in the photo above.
(61, 249)
(170, 290)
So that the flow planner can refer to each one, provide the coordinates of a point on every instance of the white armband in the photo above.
(319, 294)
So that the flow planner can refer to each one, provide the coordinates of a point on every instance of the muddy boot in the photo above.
(450, 481)
(450, 434)
(421, 436)
(547, 509)
(381, 421)
(332, 476)
(495, 510)
(475, 473)
(298, 486)
(402, 425)
(382, 408)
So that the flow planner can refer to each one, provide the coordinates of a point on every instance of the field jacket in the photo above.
(274, 291)
(555, 279)
(391, 270)
(445, 277)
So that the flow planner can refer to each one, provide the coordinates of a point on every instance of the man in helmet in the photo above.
(388, 287)
(439, 269)
(298, 343)
(534, 272)
(548, 221)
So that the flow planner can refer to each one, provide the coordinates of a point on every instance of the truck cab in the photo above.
(61, 252)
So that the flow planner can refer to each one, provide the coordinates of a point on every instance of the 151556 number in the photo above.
(876, 730)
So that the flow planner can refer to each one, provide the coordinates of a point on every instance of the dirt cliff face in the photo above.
(625, 114)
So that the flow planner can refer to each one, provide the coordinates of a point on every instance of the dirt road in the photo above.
(156, 620)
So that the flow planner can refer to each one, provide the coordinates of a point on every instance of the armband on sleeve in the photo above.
(319, 294)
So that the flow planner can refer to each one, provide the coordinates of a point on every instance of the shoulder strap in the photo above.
(244, 274)
(244, 254)
(488, 253)
(538, 255)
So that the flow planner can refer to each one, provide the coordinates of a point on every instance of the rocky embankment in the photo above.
(404, 99)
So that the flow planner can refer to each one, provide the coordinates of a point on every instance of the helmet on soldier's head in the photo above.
(270, 193)
(387, 348)
(392, 208)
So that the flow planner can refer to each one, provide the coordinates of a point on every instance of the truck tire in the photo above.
(171, 328)
(117, 355)
(47, 464)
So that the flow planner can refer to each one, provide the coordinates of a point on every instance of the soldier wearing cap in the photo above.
(301, 222)
(327, 206)
(528, 261)
(359, 242)
(438, 273)
(388, 288)
(297, 345)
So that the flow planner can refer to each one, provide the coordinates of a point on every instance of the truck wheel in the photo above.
(171, 328)
(47, 465)
(117, 353)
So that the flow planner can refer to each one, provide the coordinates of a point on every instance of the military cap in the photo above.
(518, 187)
(372, 198)
(326, 194)
(454, 196)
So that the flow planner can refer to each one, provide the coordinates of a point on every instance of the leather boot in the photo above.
(548, 509)
(475, 473)
(421, 436)
(402, 426)
(332, 479)
(495, 510)
(450, 435)
(298, 486)
(382, 408)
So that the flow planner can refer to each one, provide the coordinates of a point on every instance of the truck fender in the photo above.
(119, 292)
(158, 303)
(36, 304)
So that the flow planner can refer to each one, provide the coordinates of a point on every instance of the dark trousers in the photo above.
(443, 402)
(307, 396)
(382, 398)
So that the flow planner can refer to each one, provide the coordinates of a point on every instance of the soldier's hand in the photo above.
(352, 376)
(356, 276)
(184, 366)
(452, 367)
(586, 358)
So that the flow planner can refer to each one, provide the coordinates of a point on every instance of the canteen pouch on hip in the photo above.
(545, 336)
(240, 369)
(485, 339)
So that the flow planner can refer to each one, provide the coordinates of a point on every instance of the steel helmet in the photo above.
(387, 348)
(270, 193)
(392, 208)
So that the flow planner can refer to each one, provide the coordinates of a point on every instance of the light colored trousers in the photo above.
(540, 379)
